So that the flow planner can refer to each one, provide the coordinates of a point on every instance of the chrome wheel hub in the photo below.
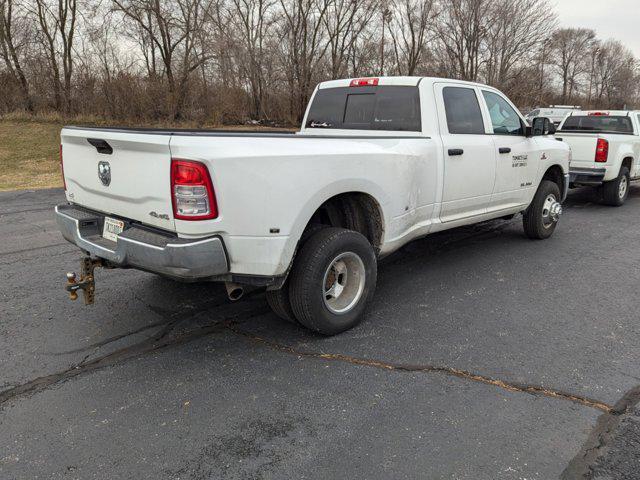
(343, 283)
(551, 211)
(622, 188)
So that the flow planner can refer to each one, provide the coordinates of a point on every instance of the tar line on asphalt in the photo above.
(162, 340)
(450, 371)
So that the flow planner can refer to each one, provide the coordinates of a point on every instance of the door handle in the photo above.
(504, 150)
(455, 151)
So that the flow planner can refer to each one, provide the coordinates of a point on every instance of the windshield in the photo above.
(366, 108)
(598, 124)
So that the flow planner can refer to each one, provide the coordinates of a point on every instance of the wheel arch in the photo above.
(555, 174)
(362, 207)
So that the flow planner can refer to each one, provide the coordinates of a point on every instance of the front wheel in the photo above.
(616, 191)
(333, 278)
(541, 218)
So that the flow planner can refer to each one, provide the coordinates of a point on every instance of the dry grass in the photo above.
(29, 155)
(29, 147)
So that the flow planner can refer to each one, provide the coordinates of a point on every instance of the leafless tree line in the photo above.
(231, 61)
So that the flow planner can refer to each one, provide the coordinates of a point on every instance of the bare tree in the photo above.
(253, 22)
(614, 70)
(571, 47)
(462, 31)
(303, 47)
(344, 22)
(411, 30)
(517, 27)
(11, 46)
(57, 21)
(174, 28)
(233, 60)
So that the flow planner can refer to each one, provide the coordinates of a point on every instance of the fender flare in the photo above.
(315, 201)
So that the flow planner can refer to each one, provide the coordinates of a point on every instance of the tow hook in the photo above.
(86, 283)
(555, 211)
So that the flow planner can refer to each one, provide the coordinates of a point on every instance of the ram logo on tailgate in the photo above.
(104, 173)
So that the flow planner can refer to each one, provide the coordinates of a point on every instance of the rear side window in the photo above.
(366, 108)
(504, 119)
(463, 111)
(598, 124)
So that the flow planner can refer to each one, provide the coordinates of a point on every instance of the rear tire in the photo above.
(616, 191)
(536, 220)
(279, 302)
(333, 278)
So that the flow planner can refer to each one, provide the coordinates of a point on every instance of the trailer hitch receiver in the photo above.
(86, 282)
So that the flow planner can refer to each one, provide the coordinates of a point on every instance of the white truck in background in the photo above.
(605, 149)
(377, 163)
(555, 113)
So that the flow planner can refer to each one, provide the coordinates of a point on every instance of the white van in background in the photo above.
(555, 113)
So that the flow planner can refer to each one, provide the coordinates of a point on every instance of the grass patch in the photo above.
(29, 155)
(29, 147)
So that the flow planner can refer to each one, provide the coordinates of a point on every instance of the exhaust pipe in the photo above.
(234, 291)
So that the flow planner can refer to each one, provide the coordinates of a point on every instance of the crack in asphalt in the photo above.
(158, 342)
(16, 212)
(531, 389)
(602, 435)
(161, 341)
(49, 255)
(32, 249)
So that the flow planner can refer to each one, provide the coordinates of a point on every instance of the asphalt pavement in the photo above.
(485, 355)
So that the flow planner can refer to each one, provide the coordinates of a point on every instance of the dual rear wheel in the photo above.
(332, 280)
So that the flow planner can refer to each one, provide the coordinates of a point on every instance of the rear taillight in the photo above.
(364, 82)
(64, 182)
(598, 114)
(602, 150)
(192, 191)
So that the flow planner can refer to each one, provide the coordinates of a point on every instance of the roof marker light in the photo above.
(364, 82)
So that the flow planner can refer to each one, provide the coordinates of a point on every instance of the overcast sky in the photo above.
(618, 19)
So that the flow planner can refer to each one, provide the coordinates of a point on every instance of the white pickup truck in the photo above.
(377, 163)
(606, 151)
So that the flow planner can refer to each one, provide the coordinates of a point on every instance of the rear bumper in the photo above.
(587, 176)
(144, 248)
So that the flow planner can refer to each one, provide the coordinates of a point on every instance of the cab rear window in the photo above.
(388, 107)
(598, 124)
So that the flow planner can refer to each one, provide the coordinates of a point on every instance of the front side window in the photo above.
(463, 111)
(504, 119)
(385, 107)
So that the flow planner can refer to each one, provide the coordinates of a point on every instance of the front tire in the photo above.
(616, 191)
(539, 220)
(333, 278)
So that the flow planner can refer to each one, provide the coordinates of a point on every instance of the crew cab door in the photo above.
(469, 157)
(518, 157)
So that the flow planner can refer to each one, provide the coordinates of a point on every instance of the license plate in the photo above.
(112, 228)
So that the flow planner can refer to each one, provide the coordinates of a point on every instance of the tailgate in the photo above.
(583, 148)
(120, 173)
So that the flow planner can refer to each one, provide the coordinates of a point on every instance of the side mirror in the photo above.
(542, 126)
